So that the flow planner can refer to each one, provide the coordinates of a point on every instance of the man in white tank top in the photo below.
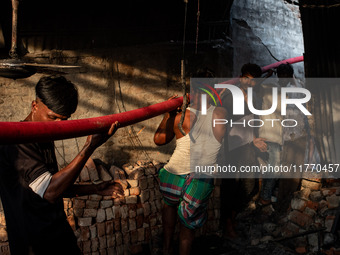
(183, 194)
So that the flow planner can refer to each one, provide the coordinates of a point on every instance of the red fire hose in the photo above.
(289, 60)
(271, 66)
(26, 132)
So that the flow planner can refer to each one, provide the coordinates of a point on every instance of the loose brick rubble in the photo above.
(104, 225)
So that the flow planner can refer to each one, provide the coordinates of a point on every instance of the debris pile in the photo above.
(311, 225)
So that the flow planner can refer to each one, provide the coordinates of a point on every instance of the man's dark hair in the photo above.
(285, 71)
(204, 72)
(252, 69)
(58, 94)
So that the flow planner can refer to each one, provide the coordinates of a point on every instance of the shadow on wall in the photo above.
(113, 81)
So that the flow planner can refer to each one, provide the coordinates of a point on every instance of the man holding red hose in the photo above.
(32, 188)
(186, 194)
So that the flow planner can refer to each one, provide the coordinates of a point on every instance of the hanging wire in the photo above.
(185, 24)
(185, 99)
(139, 142)
(198, 21)
(134, 135)
(122, 102)
(63, 148)
(77, 145)
(62, 156)
(76, 140)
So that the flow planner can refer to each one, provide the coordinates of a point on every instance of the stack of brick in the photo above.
(117, 226)
(124, 225)
(313, 208)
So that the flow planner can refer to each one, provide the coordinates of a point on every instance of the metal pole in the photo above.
(13, 52)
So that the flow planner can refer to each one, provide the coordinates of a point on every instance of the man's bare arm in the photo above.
(165, 133)
(108, 188)
(64, 179)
